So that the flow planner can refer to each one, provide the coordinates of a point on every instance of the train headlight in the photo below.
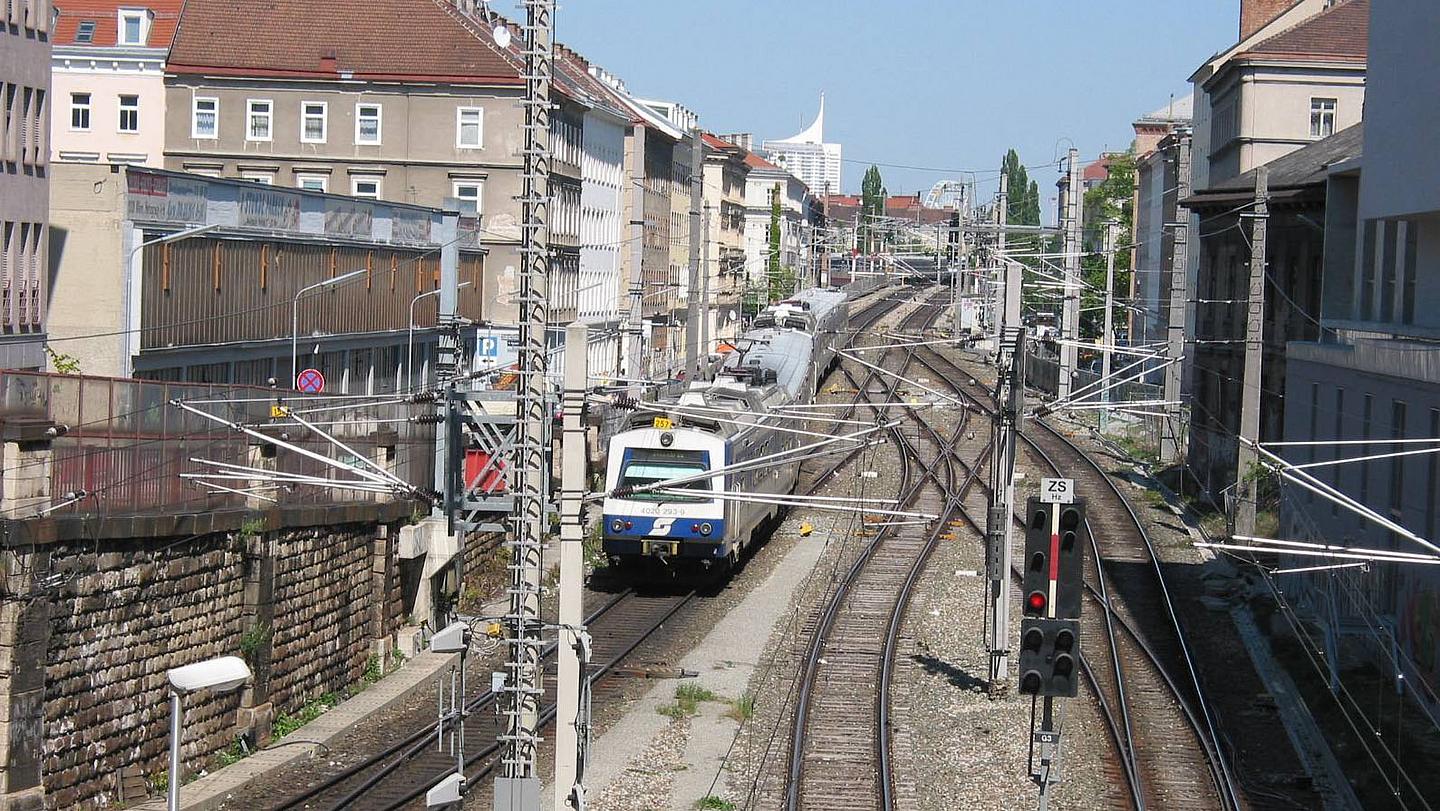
(617, 526)
(705, 528)
(667, 439)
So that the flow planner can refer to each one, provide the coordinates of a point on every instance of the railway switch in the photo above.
(1049, 649)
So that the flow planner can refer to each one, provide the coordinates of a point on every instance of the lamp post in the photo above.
(295, 319)
(217, 675)
(410, 342)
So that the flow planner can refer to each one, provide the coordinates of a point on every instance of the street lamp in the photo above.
(217, 675)
(295, 319)
(410, 342)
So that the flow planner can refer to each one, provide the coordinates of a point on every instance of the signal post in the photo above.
(1056, 535)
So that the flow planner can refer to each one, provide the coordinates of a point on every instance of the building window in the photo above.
(258, 115)
(313, 122)
(132, 27)
(367, 123)
(79, 111)
(204, 118)
(1322, 118)
(85, 32)
(129, 113)
(470, 191)
(263, 178)
(312, 182)
(469, 127)
(365, 187)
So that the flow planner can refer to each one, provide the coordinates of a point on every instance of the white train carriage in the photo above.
(819, 312)
(709, 427)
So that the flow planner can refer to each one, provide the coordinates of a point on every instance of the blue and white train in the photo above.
(716, 426)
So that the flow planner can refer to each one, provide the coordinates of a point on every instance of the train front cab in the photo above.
(668, 528)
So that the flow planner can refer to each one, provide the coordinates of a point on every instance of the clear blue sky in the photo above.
(934, 83)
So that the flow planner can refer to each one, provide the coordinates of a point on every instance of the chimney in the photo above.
(327, 60)
(1256, 14)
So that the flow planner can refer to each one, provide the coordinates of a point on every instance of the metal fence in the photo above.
(1043, 374)
(124, 445)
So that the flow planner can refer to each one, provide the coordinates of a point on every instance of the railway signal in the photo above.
(1055, 538)
(1049, 649)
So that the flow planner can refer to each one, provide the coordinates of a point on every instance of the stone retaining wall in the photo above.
(91, 620)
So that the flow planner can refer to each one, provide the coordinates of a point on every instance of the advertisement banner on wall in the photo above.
(161, 198)
(269, 209)
(346, 218)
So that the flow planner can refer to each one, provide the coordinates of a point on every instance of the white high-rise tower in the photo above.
(808, 157)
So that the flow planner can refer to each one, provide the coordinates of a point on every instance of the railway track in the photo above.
(1145, 682)
(840, 746)
(400, 774)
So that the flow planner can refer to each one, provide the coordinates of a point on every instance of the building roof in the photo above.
(1178, 111)
(324, 38)
(1341, 32)
(715, 143)
(1300, 170)
(756, 162)
(813, 134)
(104, 14)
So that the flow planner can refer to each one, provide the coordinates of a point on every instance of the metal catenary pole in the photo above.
(1001, 291)
(1070, 308)
(1245, 458)
(518, 788)
(1010, 402)
(699, 304)
(1109, 340)
(635, 366)
(1171, 426)
(708, 316)
(569, 720)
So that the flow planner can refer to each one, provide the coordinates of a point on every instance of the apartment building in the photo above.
(764, 182)
(108, 76)
(325, 95)
(1373, 375)
(724, 261)
(25, 41)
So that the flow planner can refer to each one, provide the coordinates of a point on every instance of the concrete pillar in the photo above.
(382, 570)
(256, 712)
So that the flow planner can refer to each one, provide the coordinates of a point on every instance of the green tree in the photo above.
(772, 269)
(1111, 200)
(872, 206)
(1023, 208)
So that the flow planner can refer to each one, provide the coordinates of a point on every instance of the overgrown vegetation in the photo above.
(687, 701)
(252, 641)
(287, 723)
(252, 527)
(742, 709)
(712, 803)
(233, 754)
(62, 363)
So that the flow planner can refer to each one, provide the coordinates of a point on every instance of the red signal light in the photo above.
(1035, 602)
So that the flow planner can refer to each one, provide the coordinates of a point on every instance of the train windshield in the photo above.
(651, 465)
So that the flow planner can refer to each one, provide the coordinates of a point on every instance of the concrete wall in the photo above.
(105, 79)
(87, 233)
(95, 613)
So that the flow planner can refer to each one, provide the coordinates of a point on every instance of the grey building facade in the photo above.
(25, 28)
(1374, 376)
